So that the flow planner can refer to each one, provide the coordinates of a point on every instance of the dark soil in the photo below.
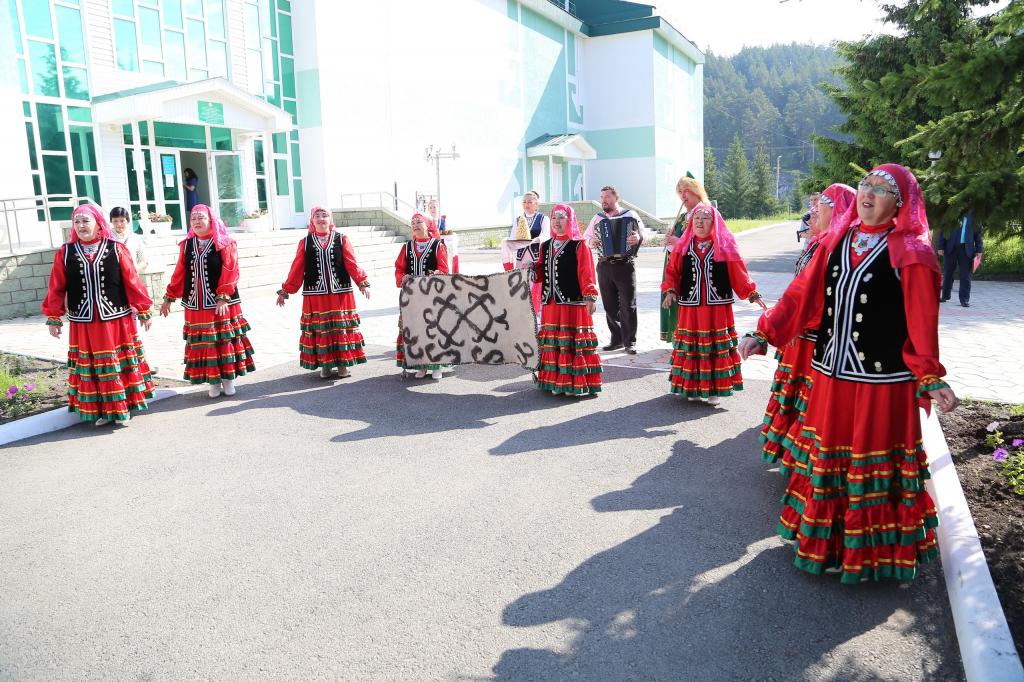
(998, 511)
(50, 380)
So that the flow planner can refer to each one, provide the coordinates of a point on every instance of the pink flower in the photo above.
(28, 387)
(12, 390)
(1017, 442)
(1000, 454)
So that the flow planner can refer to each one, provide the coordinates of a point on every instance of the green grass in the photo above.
(744, 224)
(1003, 258)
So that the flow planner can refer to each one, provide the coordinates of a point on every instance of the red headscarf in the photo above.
(219, 232)
(911, 241)
(725, 243)
(573, 224)
(97, 213)
(330, 218)
(841, 198)
(431, 234)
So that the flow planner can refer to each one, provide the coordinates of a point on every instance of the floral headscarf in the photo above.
(218, 230)
(574, 225)
(97, 213)
(725, 242)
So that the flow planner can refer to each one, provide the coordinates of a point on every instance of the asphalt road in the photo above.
(473, 528)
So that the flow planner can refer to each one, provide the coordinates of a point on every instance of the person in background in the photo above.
(533, 226)
(691, 192)
(121, 222)
(961, 249)
(191, 190)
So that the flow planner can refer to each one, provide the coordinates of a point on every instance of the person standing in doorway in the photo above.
(191, 190)
(962, 248)
(616, 272)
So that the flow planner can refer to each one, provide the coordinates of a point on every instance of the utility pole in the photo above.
(435, 156)
(778, 172)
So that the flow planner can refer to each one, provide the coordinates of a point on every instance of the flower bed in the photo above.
(31, 386)
(987, 444)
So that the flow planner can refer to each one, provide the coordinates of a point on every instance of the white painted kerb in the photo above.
(986, 647)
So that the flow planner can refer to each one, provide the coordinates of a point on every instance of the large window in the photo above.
(179, 39)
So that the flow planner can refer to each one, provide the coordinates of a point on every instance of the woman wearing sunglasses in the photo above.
(855, 503)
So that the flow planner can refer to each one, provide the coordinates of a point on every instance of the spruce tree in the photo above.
(763, 192)
(712, 181)
(736, 182)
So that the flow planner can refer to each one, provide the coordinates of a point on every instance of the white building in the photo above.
(281, 104)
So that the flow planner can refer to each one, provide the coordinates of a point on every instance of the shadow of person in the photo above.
(709, 592)
(635, 420)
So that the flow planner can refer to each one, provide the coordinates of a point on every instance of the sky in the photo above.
(726, 26)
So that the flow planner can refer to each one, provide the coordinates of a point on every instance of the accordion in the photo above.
(612, 234)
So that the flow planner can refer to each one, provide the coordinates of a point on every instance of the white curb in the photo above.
(60, 418)
(986, 647)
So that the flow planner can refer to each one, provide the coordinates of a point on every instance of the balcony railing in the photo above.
(20, 217)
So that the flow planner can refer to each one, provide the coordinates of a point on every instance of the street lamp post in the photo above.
(435, 156)
(778, 172)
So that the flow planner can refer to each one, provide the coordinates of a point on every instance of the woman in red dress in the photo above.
(421, 256)
(325, 268)
(855, 503)
(703, 270)
(569, 362)
(94, 282)
(791, 387)
(205, 278)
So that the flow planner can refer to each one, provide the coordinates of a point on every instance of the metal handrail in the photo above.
(9, 206)
(377, 201)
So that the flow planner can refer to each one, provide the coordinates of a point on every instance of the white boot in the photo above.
(713, 400)
(420, 373)
(102, 421)
(343, 372)
(229, 386)
(437, 373)
(125, 422)
(215, 390)
(325, 372)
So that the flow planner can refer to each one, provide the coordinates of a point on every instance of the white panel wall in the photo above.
(618, 81)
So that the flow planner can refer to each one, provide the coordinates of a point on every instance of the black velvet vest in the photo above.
(864, 326)
(325, 267)
(95, 287)
(420, 265)
(202, 275)
(802, 262)
(703, 274)
(561, 277)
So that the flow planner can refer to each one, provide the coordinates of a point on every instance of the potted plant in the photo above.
(256, 221)
(155, 223)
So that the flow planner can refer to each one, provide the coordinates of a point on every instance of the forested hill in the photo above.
(770, 96)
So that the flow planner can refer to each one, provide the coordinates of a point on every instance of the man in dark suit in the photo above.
(961, 248)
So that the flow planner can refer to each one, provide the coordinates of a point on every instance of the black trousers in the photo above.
(952, 261)
(617, 282)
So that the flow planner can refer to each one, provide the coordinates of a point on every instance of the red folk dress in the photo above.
(419, 267)
(329, 325)
(855, 499)
(705, 362)
(107, 370)
(791, 390)
(216, 346)
(569, 362)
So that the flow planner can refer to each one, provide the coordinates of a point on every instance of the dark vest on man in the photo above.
(420, 264)
(561, 277)
(96, 286)
(613, 231)
(702, 274)
(802, 262)
(325, 266)
(863, 326)
(202, 275)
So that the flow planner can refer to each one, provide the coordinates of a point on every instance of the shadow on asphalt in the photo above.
(647, 609)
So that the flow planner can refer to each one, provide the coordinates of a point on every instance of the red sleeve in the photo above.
(442, 260)
(400, 266)
(53, 304)
(538, 266)
(921, 306)
(134, 289)
(674, 269)
(357, 274)
(229, 273)
(297, 273)
(585, 270)
(432, 230)
(800, 305)
(740, 279)
(176, 287)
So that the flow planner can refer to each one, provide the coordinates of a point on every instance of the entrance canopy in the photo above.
(566, 145)
(215, 101)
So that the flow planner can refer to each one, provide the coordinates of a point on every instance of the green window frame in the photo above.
(281, 177)
(44, 69)
(69, 29)
(126, 45)
(183, 135)
(37, 19)
(57, 174)
(50, 119)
